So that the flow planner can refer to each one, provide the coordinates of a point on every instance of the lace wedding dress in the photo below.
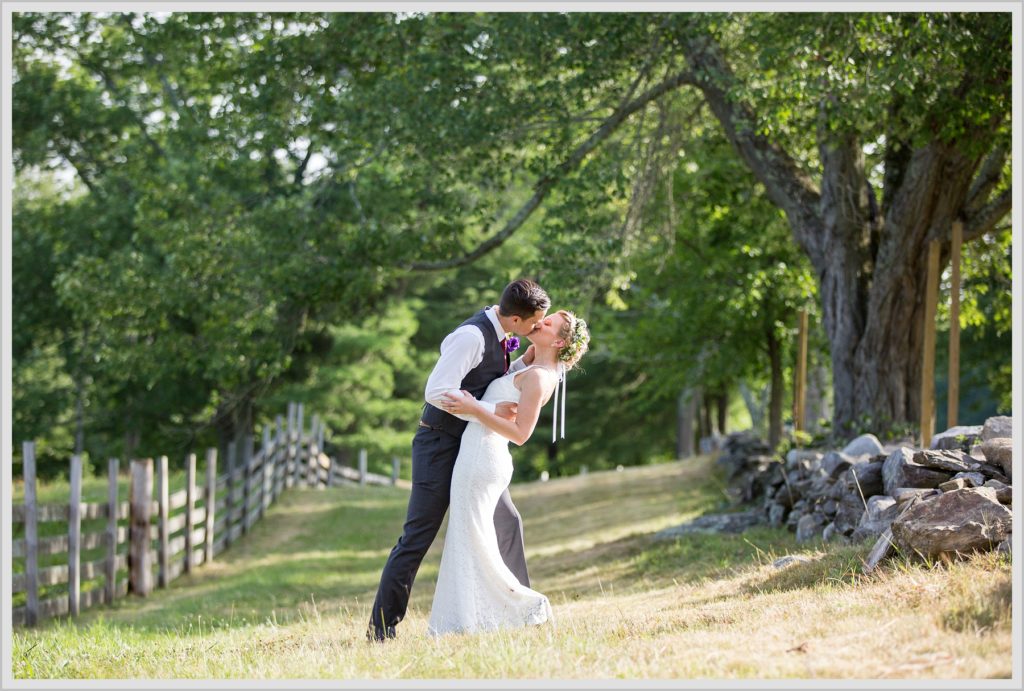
(475, 590)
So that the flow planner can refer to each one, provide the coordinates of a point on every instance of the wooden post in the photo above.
(229, 492)
(320, 436)
(266, 470)
(164, 572)
(75, 537)
(190, 506)
(396, 465)
(953, 397)
(362, 467)
(289, 460)
(280, 455)
(247, 444)
(140, 577)
(300, 454)
(210, 499)
(28, 455)
(800, 389)
(111, 564)
(928, 361)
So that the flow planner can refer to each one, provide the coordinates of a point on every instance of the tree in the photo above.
(910, 115)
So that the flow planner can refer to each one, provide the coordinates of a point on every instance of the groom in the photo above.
(472, 356)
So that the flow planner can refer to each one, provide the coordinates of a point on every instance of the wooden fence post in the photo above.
(140, 577)
(164, 493)
(313, 466)
(266, 470)
(280, 457)
(211, 502)
(801, 374)
(111, 565)
(190, 506)
(300, 451)
(290, 462)
(229, 491)
(928, 360)
(953, 396)
(247, 443)
(395, 467)
(75, 537)
(28, 455)
(362, 467)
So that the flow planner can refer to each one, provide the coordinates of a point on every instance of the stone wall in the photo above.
(954, 497)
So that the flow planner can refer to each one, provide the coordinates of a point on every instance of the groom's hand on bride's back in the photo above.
(506, 409)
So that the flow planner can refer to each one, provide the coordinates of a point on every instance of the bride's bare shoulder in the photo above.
(540, 378)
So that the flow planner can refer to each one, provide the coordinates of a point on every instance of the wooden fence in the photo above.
(158, 538)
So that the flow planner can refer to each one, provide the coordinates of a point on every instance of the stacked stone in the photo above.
(954, 497)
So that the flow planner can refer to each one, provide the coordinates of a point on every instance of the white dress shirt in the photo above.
(461, 351)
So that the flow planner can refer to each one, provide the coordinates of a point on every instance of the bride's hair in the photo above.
(577, 338)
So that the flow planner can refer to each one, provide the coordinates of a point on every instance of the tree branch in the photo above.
(787, 186)
(573, 161)
(988, 177)
(984, 219)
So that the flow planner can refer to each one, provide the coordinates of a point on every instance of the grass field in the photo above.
(291, 600)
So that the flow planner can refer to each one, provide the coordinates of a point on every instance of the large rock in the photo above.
(835, 462)
(805, 459)
(952, 461)
(902, 470)
(999, 451)
(957, 522)
(1004, 493)
(865, 476)
(713, 523)
(905, 494)
(996, 427)
(882, 549)
(879, 516)
(972, 479)
(864, 445)
(848, 516)
(809, 526)
(961, 437)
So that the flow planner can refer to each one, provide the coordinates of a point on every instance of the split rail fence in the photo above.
(156, 537)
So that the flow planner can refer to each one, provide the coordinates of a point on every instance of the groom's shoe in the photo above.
(378, 635)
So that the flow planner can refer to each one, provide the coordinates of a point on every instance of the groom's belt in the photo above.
(433, 427)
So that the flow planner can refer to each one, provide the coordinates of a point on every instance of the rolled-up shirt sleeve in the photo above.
(461, 351)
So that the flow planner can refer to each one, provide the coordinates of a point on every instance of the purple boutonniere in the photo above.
(511, 344)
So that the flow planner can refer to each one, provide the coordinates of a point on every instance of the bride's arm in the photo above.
(536, 389)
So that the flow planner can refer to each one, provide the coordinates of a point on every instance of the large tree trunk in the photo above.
(722, 405)
(870, 262)
(685, 415)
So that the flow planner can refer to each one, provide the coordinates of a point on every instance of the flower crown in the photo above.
(577, 340)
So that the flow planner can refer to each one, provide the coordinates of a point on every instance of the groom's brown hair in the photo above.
(522, 298)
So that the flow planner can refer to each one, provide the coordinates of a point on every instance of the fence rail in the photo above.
(155, 537)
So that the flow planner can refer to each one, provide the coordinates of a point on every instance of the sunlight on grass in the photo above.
(292, 598)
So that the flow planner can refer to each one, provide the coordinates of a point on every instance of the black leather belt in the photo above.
(436, 429)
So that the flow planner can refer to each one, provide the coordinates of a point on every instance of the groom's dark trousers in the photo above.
(433, 460)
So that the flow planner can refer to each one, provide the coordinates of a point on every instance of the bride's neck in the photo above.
(547, 357)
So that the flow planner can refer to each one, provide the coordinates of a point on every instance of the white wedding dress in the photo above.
(475, 590)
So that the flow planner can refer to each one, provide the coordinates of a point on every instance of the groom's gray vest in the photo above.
(492, 366)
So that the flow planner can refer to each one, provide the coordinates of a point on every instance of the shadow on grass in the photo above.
(313, 551)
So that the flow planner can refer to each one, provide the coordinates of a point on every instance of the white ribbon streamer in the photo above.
(554, 408)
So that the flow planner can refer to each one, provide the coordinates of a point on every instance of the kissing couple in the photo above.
(476, 402)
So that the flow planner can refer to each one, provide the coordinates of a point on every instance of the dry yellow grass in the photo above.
(292, 600)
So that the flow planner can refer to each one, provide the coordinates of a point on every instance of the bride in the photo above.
(475, 590)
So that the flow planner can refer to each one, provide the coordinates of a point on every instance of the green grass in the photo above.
(292, 598)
